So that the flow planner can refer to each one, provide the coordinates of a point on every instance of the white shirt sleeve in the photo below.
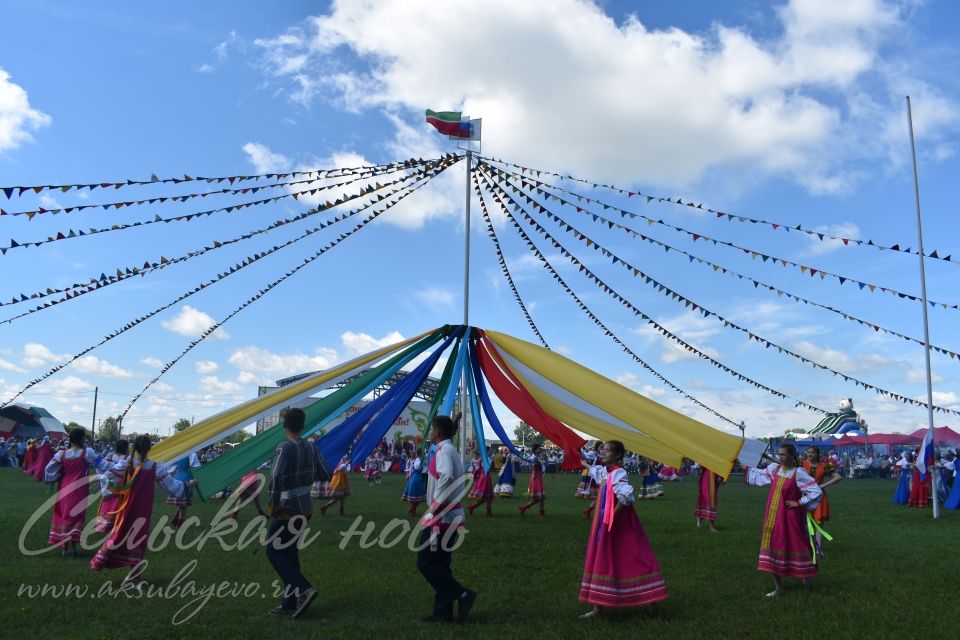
(761, 477)
(599, 473)
(622, 487)
(51, 473)
(169, 484)
(812, 493)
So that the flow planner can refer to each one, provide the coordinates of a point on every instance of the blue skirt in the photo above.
(415, 491)
(953, 500)
(902, 494)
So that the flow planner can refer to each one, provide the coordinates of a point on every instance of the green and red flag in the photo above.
(454, 124)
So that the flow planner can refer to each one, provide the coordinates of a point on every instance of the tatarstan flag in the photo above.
(454, 124)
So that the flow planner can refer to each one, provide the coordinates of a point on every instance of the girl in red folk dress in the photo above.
(785, 546)
(535, 488)
(127, 542)
(29, 457)
(620, 569)
(68, 468)
(110, 501)
(920, 495)
(482, 491)
(707, 498)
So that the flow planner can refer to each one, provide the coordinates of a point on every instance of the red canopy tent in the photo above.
(943, 436)
(890, 439)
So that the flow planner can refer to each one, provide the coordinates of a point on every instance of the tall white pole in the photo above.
(923, 295)
(466, 308)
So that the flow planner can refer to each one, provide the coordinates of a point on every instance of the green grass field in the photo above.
(890, 572)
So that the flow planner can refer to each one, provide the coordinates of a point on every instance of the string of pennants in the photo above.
(9, 192)
(440, 166)
(78, 289)
(716, 268)
(688, 304)
(356, 172)
(262, 292)
(773, 260)
(491, 233)
(590, 314)
(181, 218)
(730, 217)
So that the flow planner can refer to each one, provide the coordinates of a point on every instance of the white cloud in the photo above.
(17, 117)
(221, 52)
(96, 366)
(947, 399)
(8, 366)
(222, 48)
(264, 160)
(192, 323)
(37, 355)
(257, 363)
(689, 326)
(206, 366)
(845, 230)
(435, 298)
(153, 363)
(70, 384)
(843, 361)
(162, 387)
(216, 386)
(630, 380)
(684, 103)
(360, 343)
(919, 376)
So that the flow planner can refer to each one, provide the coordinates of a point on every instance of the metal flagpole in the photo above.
(466, 307)
(923, 294)
(93, 421)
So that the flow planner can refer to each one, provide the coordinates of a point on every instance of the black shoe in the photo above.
(436, 618)
(282, 611)
(308, 596)
(466, 604)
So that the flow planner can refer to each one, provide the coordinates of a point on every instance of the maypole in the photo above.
(466, 303)
(459, 127)
(926, 325)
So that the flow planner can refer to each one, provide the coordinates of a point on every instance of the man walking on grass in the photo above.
(297, 467)
(442, 523)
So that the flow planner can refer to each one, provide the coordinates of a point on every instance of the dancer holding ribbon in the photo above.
(786, 548)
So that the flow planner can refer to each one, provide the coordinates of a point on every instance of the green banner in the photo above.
(233, 464)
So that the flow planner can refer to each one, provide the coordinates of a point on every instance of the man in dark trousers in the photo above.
(446, 484)
(297, 467)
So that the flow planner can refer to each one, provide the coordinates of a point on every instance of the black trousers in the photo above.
(434, 563)
(284, 557)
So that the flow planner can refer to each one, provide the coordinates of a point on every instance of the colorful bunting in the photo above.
(687, 346)
(606, 331)
(9, 192)
(716, 268)
(77, 289)
(699, 208)
(443, 165)
(700, 236)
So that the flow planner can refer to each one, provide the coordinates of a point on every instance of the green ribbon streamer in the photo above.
(233, 464)
(813, 527)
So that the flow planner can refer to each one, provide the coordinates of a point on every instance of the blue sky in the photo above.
(792, 112)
